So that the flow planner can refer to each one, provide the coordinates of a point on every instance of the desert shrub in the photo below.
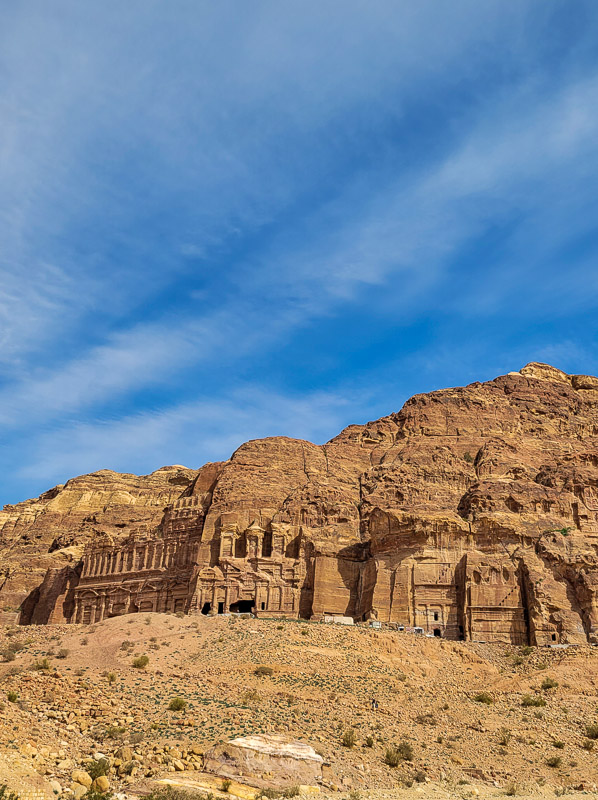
(592, 731)
(226, 785)
(12, 697)
(517, 661)
(263, 671)
(349, 738)
(369, 741)
(137, 737)
(140, 662)
(397, 753)
(391, 757)
(304, 631)
(177, 704)
(484, 697)
(111, 677)
(527, 650)
(588, 745)
(426, 719)
(96, 794)
(405, 750)
(527, 701)
(549, 683)
(114, 731)
(251, 696)
(468, 457)
(504, 737)
(292, 791)
(62, 653)
(126, 644)
(419, 776)
(7, 794)
(558, 744)
(8, 655)
(169, 793)
(554, 761)
(85, 640)
(41, 664)
(16, 646)
(96, 769)
(511, 789)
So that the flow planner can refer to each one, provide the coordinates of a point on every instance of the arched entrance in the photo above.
(206, 608)
(242, 607)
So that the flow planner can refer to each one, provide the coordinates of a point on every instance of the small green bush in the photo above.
(95, 769)
(554, 761)
(7, 794)
(12, 697)
(140, 662)
(549, 683)
(177, 704)
(528, 701)
(397, 753)
(369, 741)
(592, 731)
(391, 757)
(484, 697)
(588, 745)
(349, 738)
(41, 664)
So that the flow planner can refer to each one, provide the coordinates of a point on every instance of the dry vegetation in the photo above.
(452, 717)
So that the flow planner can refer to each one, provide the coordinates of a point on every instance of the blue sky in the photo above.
(221, 221)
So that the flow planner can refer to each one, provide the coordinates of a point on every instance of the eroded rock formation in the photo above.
(472, 513)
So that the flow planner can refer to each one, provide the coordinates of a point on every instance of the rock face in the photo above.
(269, 761)
(472, 513)
(51, 532)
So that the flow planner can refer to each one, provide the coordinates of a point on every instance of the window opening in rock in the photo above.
(263, 606)
(436, 616)
(554, 637)
(437, 632)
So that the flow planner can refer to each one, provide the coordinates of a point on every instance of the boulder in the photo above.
(82, 777)
(101, 783)
(268, 761)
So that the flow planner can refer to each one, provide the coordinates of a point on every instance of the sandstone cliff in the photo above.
(472, 512)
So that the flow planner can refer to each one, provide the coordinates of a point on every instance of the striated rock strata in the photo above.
(472, 513)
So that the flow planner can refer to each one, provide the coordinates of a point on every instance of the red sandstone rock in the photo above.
(472, 513)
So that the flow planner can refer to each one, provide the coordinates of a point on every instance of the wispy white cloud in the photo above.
(190, 433)
(193, 189)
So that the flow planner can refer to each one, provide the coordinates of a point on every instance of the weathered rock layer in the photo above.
(472, 513)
